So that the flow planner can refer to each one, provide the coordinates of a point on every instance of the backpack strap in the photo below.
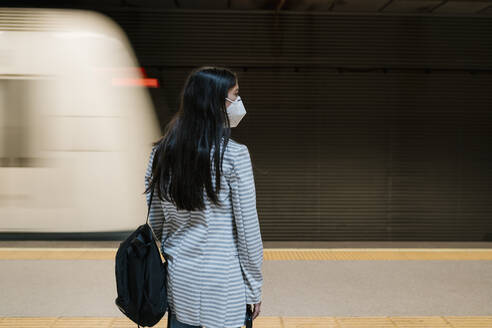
(150, 204)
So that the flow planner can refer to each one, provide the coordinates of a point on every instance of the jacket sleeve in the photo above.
(250, 245)
(156, 215)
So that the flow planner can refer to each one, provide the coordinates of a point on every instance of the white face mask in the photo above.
(235, 111)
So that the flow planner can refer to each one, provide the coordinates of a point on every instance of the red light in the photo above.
(150, 83)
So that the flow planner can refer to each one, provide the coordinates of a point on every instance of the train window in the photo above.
(20, 126)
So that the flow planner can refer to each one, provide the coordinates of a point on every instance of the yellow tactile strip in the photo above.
(332, 254)
(265, 322)
(273, 254)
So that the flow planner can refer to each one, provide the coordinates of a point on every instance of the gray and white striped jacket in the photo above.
(215, 256)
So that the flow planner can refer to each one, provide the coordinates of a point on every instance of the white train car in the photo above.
(76, 125)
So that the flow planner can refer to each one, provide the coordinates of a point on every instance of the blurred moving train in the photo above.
(75, 128)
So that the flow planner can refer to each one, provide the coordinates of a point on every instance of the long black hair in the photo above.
(182, 165)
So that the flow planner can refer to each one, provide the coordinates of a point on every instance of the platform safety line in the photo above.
(268, 321)
(270, 254)
(265, 249)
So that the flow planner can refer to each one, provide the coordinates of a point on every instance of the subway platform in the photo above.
(306, 285)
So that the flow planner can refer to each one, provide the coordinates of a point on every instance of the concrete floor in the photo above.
(307, 288)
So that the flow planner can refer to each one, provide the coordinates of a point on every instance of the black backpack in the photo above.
(141, 277)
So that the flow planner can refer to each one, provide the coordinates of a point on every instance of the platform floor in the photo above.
(342, 285)
(268, 322)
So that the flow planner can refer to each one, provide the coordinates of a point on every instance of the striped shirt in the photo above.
(214, 256)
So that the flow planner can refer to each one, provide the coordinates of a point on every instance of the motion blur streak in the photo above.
(76, 124)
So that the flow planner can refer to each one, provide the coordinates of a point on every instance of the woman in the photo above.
(204, 213)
